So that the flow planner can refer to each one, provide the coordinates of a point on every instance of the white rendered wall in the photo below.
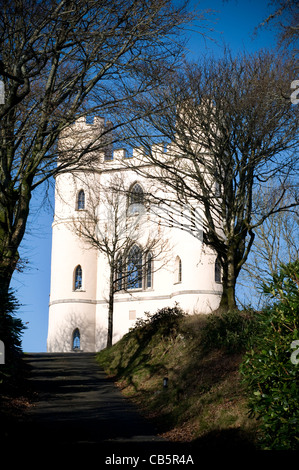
(196, 293)
(87, 308)
(64, 318)
(69, 308)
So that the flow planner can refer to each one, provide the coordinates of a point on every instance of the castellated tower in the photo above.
(166, 263)
(72, 313)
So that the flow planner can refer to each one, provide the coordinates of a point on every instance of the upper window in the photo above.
(136, 199)
(78, 278)
(134, 268)
(178, 270)
(81, 200)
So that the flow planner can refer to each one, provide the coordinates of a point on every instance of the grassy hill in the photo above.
(204, 401)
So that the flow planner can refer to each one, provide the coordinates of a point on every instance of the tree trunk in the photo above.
(8, 263)
(9, 257)
(14, 211)
(228, 299)
(110, 309)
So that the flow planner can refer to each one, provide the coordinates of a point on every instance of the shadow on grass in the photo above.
(226, 440)
(127, 369)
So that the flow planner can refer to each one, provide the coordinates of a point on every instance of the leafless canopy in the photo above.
(60, 60)
(232, 132)
(286, 19)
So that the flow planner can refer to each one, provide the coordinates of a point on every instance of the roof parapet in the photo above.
(81, 134)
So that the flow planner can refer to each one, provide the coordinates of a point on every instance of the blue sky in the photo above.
(233, 23)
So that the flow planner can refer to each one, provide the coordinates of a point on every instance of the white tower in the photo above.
(72, 311)
(79, 286)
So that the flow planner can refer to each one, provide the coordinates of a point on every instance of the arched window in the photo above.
(148, 270)
(81, 200)
(178, 270)
(217, 270)
(78, 278)
(76, 339)
(136, 199)
(134, 268)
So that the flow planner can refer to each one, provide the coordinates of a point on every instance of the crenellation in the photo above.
(120, 154)
(81, 134)
(99, 121)
(138, 152)
(158, 149)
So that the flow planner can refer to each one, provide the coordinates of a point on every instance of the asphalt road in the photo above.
(75, 406)
(76, 403)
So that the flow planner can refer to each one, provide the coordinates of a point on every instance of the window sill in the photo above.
(136, 210)
(79, 290)
(128, 291)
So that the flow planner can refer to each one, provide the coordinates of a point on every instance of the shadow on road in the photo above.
(76, 405)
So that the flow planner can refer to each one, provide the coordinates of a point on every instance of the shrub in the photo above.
(166, 320)
(230, 331)
(11, 329)
(269, 370)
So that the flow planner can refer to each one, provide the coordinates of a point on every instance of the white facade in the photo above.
(182, 270)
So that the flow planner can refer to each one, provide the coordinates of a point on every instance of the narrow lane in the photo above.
(76, 403)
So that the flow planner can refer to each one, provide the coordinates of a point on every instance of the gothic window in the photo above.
(136, 199)
(78, 278)
(178, 270)
(81, 200)
(218, 270)
(76, 339)
(134, 268)
(148, 270)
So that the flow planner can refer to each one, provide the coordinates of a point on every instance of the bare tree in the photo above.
(125, 233)
(286, 19)
(231, 130)
(276, 243)
(61, 60)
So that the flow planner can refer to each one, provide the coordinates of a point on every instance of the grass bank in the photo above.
(204, 401)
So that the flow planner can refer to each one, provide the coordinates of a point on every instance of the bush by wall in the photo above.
(166, 320)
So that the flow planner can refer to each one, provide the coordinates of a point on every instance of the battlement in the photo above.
(98, 123)
(99, 136)
(90, 142)
(137, 153)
